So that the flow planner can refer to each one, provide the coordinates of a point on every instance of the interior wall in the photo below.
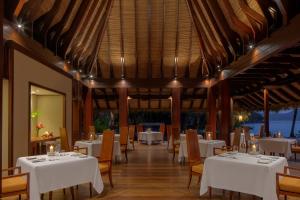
(27, 70)
(5, 124)
(33, 121)
(51, 109)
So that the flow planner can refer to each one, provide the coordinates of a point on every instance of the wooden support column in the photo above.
(88, 110)
(1, 84)
(76, 108)
(225, 111)
(123, 107)
(266, 112)
(211, 111)
(176, 111)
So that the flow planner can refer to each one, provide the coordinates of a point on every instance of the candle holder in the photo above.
(51, 147)
(253, 148)
(208, 135)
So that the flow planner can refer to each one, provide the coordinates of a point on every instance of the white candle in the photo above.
(208, 136)
(279, 134)
(51, 148)
(91, 136)
(254, 148)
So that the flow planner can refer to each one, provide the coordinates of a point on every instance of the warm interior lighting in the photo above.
(240, 117)
(80, 70)
(176, 60)
(91, 76)
(251, 46)
(122, 60)
(129, 97)
(20, 26)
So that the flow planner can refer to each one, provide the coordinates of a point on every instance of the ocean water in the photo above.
(284, 126)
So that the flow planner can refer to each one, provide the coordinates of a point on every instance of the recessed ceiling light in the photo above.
(33, 92)
(80, 70)
(251, 46)
(20, 26)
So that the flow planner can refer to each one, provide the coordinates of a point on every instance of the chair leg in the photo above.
(50, 195)
(133, 144)
(209, 192)
(230, 195)
(295, 156)
(42, 196)
(110, 179)
(173, 154)
(190, 179)
(20, 197)
(285, 197)
(72, 192)
(91, 190)
(64, 191)
(239, 195)
(126, 155)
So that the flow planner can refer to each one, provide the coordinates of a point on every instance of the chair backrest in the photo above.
(107, 146)
(139, 128)
(192, 144)
(92, 129)
(124, 135)
(175, 135)
(261, 131)
(191, 131)
(246, 130)
(131, 131)
(237, 137)
(162, 128)
(64, 141)
(169, 131)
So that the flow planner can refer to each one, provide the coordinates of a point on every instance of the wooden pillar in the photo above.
(211, 111)
(88, 110)
(123, 107)
(76, 104)
(266, 112)
(176, 110)
(225, 111)
(1, 84)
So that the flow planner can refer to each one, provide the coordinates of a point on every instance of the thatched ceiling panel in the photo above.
(255, 6)
(61, 11)
(144, 104)
(133, 103)
(154, 104)
(186, 104)
(170, 33)
(142, 37)
(114, 31)
(43, 7)
(165, 103)
(196, 56)
(185, 27)
(128, 21)
(104, 57)
(72, 16)
(156, 26)
(239, 13)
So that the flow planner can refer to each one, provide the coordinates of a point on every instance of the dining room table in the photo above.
(62, 170)
(94, 147)
(277, 146)
(241, 172)
(206, 148)
(150, 137)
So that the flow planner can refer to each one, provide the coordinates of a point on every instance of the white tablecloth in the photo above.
(64, 172)
(182, 138)
(150, 137)
(94, 148)
(276, 145)
(206, 148)
(242, 174)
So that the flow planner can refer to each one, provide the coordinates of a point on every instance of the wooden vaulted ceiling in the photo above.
(163, 39)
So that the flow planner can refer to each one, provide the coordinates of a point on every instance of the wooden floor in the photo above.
(150, 174)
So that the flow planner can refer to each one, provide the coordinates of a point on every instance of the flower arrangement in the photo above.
(38, 127)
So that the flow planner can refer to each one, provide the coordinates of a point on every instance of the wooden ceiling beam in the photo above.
(149, 21)
(136, 40)
(149, 96)
(284, 38)
(146, 83)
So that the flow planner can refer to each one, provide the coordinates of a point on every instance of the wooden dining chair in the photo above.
(169, 133)
(194, 156)
(139, 128)
(124, 140)
(131, 135)
(236, 139)
(246, 130)
(175, 141)
(288, 185)
(162, 128)
(16, 184)
(295, 148)
(64, 141)
(106, 154)
(261, 131)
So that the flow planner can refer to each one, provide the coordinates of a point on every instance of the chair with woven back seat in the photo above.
(131, 135)
(288, 185)
(139, 128)
(16, 184)
(175, 140)
(194, 158)
(169, 133)
(295, 148)
(162, 128)
(124, 140)
(106, 154)
(236, 139)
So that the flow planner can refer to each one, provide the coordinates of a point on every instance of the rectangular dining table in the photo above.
(276, 145)
(244, 173)
(49, 173)
(206, 148)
